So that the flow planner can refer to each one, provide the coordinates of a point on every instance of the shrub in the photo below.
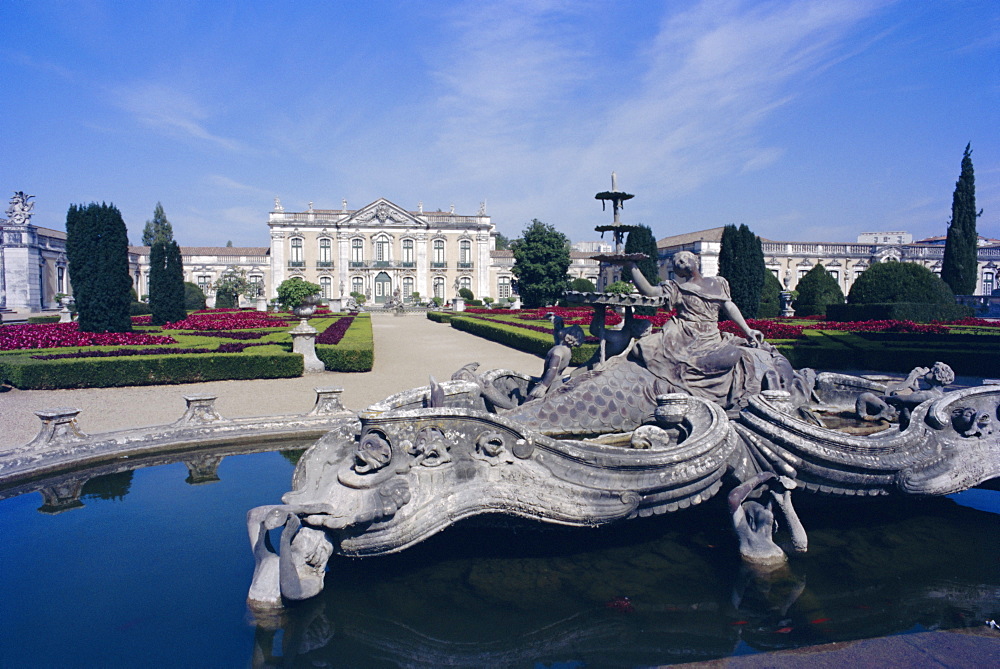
(583, 286)
(293, 291)
(817, 289)
(194, 297)
(888, 282)
(139, 309)
(619, 288)
(466, 294)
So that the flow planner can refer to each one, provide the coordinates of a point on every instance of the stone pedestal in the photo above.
(458, 304)
(65, 316)
(261, 304)
(304, 342)
(336, 305)
(786, 303)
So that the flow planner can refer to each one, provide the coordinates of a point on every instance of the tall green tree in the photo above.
(770, 297)
(157, 229)
(166, 283)
(741, 262)
(502, 243)
(97, 250)
(641, 240)
(960, 267)
(541, 263)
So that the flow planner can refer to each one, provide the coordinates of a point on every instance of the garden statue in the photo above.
(666, 420)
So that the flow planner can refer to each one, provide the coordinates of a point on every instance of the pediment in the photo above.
(384, 213)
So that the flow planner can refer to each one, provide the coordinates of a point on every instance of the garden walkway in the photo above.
(407, 350)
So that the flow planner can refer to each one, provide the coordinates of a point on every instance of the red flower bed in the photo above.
(881, 326)
(980, 322)
(333, 334)
(55, 335)
(227, 347)
(224, 319)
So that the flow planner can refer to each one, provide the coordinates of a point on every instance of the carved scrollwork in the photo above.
(373, 453)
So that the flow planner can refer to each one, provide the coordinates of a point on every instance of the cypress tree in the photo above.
(158, 229)
(166, 283)
(770, 297)
(960, 267)
(741, 262)
(97, 250)
(641, 240)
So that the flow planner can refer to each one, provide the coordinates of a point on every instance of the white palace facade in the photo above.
(382, 248)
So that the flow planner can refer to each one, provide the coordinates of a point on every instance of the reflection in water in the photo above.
(490, 592)
(514, 596)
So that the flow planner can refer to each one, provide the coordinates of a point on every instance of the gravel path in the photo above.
(407, 350)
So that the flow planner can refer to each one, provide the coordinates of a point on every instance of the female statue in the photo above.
(689, 355)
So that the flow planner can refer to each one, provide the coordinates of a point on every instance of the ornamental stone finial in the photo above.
(343, 206)
(482, 208)
(19, 211)
(277, 204)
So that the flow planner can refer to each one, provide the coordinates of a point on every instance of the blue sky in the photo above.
(804, 120)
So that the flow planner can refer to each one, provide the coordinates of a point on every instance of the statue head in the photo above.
(940, 375)
(686, 263)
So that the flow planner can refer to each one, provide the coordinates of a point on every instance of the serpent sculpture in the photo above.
(625, 439)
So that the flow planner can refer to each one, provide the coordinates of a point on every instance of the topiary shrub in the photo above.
(817, 289)
(582, 286)
(194, 297)
(466, 294)
(887, 282)
(292, 292)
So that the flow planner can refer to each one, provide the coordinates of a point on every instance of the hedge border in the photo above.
(529, 341)
(356, 350)
(28, 374)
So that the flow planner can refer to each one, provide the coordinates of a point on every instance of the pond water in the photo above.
(153, 570)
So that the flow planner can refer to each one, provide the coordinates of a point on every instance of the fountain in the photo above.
(663, 423)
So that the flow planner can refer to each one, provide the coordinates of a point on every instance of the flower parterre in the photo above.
(59, 335)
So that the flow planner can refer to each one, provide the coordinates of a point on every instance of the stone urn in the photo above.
(308, 306)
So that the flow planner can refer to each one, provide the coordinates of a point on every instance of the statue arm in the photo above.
(732, 312)
(640, 281)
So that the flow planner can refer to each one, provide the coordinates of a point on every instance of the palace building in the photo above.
(383, 249)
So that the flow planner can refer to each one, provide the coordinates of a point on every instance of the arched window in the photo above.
(439, 259)
(408, 260)
(357, 252)
(407, 288)
(465, 282)
(357, 285)
(382, 249)
(465, 253)
(257, 282)
(325, 253)
(326, 286)
(439, 286)
(295, 260)
(503, 287)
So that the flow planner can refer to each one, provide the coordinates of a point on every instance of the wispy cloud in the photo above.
(687, 109)
(171, 110)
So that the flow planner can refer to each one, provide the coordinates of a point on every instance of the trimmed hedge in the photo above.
(528, 341)
(21, 371)
(355, 352)
(439, 316)
(890, 352)
(43, 319)
(901, 311)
